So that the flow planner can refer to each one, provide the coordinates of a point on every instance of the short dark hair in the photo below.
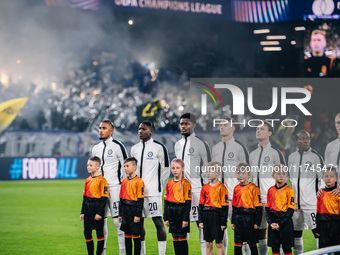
(149, 124)
(269, 125)
(300, 131)
(243, 167)
(190, 116)
(109, 122)
(95, 159)
(330, 169)
(131, 159)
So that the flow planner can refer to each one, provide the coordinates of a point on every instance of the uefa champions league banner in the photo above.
(49, 168)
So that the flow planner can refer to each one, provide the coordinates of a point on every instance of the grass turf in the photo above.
(42, 217)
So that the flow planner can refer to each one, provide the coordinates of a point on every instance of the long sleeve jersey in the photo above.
(112, 154)
(132, 194)
(153, 165)
(247, 199)
(332, 155)
(230, 154)
(328, 206)
(305, 172)
(178, 193)
(195, 153)
(96, 188)
(280, 204)
(214, 198)
(264, 158)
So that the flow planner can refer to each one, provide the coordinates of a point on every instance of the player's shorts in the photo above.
(212, 226)
(152, 207)
(284, 237)
(329, 232)
(195, 199)
(128, 225)
(244, 230)
(264, 223)
(304, 219)
(112, 206)
(175, 216)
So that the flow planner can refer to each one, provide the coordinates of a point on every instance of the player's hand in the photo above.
(201, 225)
(166, 223)
(336, 192)
(120, 219)
(232, 226)
(98, 217)
(319, 193)
(82, 217)
(136, 219)
(185, 224)
(256, 226)
(223, 227)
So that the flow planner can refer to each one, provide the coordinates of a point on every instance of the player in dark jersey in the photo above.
(279, 211)
(131, 206)
(177, 204)
(213, 209)
(247, 211)
(328, 211)
(93, 207)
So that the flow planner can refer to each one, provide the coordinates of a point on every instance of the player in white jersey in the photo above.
(332, 153)
(154, 168)
(112, 154)
(230, 153)
(264, 158)
(305, 172)
(195, 153)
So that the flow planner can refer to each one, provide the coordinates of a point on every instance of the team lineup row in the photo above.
(153, 168)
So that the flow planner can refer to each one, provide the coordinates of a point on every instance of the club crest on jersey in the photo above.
(191, 150)
(110, 152)
(308, 165)
(267, 159)
(150, 154)
(231, 155)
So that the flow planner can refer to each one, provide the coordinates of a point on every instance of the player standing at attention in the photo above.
(131, 206)
(247, 211)
(279, 210)
(328, 211)
(93, 207)
(195, 153)
(332, 153)
(112, 154)
(213, 209)
(264, 158)
(230, 153)
(177, 204)
(305, 167)
(153, 168)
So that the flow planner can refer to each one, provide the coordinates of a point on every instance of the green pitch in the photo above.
(42, 217)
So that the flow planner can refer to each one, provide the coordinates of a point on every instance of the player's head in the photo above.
(302, 140)
(177, 167)
(337, 123)
(187, 124)
(330, 176)
(318, 42)
(280, 173)
(227, 129)
(264, 130)
(243, 173)
(145, 130)
(214, 169)
(93, 165)
(105, 130)
(130, 165)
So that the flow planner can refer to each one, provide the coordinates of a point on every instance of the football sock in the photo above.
(254, 250)
(225, 241)
(128, 244)
(263, 248)
(89, 246)
(120, 234)
(298, 245)
(143, 249)
(202, 242)
(100, 245)
(161, 247)
(238, 249)
(136, 244)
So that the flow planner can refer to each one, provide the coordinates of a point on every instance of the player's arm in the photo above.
(201, 206)
(103, 199)
(291, 208)
(122, 155)
(258, 206)
(165, 165)
(225, 204)
(82, 211)
(166, 205)
(268, 206)
(140, 199)
(186, 215)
